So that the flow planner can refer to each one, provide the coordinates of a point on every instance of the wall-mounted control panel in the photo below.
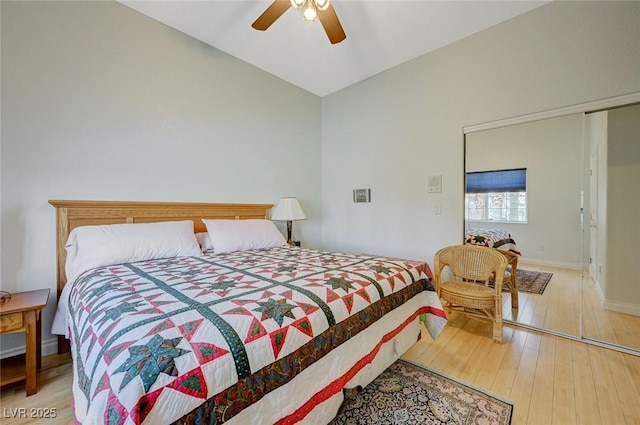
(361, 195)
(435, 184)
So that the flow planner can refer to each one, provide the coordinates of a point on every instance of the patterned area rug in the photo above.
(410, 395)
(533, 282)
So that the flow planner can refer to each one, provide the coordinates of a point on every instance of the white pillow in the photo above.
(204, 241)
(242, 235)
(89, 247)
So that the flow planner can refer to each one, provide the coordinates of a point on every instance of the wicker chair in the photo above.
(468, 290)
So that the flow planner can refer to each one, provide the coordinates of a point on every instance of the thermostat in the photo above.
(435, 184)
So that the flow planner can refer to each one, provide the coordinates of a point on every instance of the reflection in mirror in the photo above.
(589, 161)
(611, 310)
(549, 236)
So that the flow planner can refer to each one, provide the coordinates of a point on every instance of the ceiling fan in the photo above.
(311, 9)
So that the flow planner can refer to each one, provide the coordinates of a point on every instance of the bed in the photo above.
(269, 335)
(492, 238)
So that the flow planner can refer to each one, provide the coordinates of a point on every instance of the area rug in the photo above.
(409, 394)
(533, 282)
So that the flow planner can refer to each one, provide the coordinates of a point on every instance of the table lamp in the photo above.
(288, 209)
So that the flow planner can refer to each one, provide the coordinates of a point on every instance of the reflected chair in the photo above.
(468, 289)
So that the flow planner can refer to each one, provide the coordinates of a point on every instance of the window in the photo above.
(499, 195)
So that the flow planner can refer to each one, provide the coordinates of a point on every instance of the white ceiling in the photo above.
(380, 34)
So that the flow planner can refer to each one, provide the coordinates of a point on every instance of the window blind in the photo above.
(497, 181)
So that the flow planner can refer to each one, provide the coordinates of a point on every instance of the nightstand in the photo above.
(22, 314)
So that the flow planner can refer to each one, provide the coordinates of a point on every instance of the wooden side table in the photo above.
(22, 314)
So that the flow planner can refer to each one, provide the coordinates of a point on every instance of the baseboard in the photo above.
(616, 306)
(621, 307)
(49, 347)
(599, 293)
(549, 263)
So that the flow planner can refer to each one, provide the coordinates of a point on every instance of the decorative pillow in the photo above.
(204, 241)
(242, 235)
(89, 247)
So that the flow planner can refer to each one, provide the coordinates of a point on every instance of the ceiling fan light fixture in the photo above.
(310, 8)
(322, 4)
(310, 13)
(322, 10)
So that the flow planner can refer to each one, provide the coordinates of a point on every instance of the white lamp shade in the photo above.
(288, 209)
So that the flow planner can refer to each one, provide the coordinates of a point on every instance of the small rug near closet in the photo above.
(410, 395)
(533, 282)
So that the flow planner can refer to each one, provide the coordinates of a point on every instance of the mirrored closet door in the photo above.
(611, 288)
(576, 222)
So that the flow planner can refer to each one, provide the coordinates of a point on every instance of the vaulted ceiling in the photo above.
(380, 34)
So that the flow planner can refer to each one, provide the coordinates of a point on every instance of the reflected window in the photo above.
(496, 196)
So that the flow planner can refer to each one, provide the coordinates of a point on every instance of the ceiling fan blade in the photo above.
(271, 14)
(331, 24)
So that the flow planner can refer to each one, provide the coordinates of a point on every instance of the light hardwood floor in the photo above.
(558, 309)
(550, 380)
(54, 394)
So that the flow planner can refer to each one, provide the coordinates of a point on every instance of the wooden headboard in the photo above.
(71, 214)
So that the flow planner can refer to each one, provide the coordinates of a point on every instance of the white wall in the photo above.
(390, 132)
(622, 291)
(551, 151)
(101, 102)
(0, 148)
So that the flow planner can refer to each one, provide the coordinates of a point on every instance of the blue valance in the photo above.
(497, 181)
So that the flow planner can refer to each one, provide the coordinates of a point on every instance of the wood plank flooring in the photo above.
(558, 309)
(550, 380)
(54, 394)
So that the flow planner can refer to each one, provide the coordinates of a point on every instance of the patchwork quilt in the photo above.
(492, 238)
(195, 340)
